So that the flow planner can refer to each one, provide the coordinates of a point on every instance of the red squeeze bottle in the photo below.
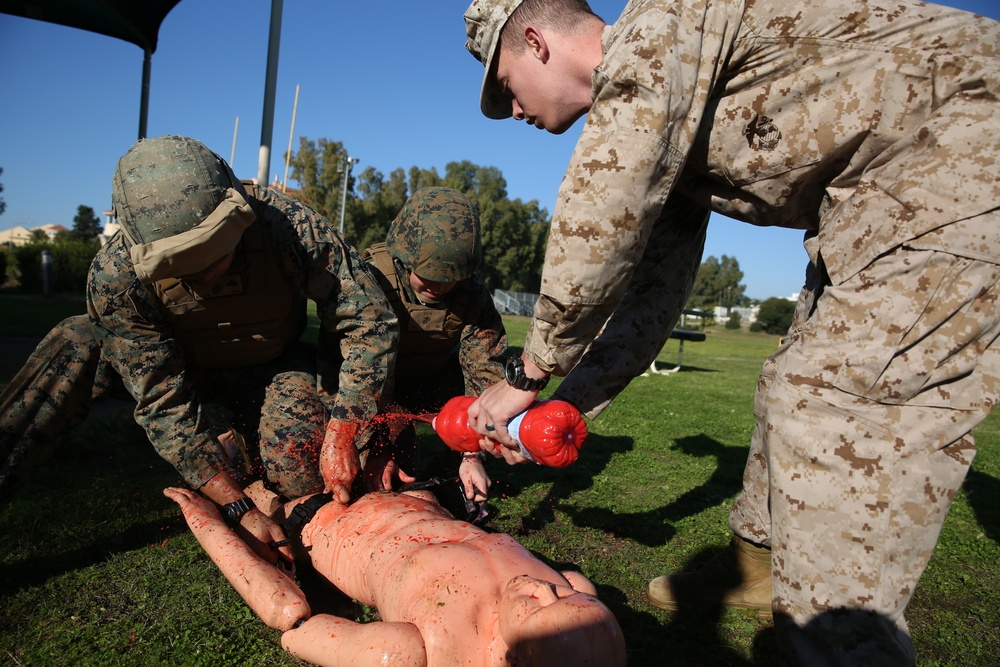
(549, 432)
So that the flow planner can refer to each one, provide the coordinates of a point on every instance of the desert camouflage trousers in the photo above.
(863, 438)
(276, 406)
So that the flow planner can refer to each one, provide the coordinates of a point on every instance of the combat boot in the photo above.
(739, 577)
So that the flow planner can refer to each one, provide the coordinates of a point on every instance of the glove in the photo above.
(339, 462)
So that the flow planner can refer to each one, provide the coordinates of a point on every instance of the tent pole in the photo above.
(270, 81)
(147, 65)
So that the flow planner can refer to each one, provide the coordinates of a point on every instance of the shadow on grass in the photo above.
(693, 635)
(39, 568)
(564, 482)
(653, 528)
(982, 492)
(97, 495)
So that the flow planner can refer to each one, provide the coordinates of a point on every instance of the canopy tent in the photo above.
(134, 22)
(138, 22)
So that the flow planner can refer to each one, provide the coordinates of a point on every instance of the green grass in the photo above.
(34, 314)
(99, 569)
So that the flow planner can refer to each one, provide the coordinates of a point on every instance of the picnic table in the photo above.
(680, 335)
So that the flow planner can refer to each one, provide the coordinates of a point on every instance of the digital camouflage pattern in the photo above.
(463, 320)
(166, 185)
(436, 235)
(875, 129)
(49, 397)
(286, 402)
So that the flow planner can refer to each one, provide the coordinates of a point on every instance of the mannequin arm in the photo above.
(271, 594)
(330, 641)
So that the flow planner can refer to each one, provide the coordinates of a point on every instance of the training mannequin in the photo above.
(448, 592)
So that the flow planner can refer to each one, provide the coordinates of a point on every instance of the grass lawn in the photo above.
(98, 568)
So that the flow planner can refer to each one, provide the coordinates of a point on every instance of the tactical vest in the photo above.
(427, 335)
(250, 317)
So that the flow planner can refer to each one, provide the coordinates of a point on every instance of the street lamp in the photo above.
(346, 164)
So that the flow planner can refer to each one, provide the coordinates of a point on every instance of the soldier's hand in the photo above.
(496, 450)
(339, 462)
(474, 479)
(493, 410)
(381, 471)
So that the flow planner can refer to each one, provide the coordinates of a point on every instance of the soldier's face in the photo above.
(431, 290)
(215, 271)
(537, 83)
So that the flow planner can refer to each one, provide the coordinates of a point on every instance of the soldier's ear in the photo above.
(537, 45)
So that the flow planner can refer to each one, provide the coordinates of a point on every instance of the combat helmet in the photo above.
(436, 235)
(179, 205)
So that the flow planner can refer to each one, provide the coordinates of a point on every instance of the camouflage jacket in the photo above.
(465, 318)
(136, 339)
(867, 126)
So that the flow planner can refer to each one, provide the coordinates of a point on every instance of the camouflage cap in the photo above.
(484, 19)
(436, 235)
(166, 185)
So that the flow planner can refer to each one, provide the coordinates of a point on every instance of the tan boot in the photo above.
(739, 577)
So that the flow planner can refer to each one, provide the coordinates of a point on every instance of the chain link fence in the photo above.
(514, 303)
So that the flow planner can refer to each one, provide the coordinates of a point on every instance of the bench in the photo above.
(681, 335)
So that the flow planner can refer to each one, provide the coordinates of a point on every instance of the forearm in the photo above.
(648, 313)
(481, 356)
(601, 228)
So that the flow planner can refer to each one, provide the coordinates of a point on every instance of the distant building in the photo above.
(111, 227)
(15, 236)
(51, 231)
(747, 315)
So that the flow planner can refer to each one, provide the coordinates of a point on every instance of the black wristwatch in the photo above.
(235, 511)
(513, 370)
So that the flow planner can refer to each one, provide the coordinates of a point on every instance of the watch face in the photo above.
(513, 370)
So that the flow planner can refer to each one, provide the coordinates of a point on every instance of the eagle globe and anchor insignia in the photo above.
(762, 134)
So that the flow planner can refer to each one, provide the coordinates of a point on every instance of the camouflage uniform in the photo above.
(873, 128)
(449, 346)
(287, 398)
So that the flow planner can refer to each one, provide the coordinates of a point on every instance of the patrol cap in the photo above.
(484, 19)
(436, 235)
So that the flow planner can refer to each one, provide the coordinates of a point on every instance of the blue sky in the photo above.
(391, 80)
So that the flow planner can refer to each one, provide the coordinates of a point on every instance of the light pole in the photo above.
(346, 164)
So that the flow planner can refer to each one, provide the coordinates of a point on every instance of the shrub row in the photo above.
(71, 260)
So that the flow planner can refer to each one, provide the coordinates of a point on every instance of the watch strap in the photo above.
(236, 510)
(515, 376)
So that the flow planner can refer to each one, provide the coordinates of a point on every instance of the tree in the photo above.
(514, 232)
(718, 284)
(316, 167)
(86, 225)
(3, 204)
(775, 315)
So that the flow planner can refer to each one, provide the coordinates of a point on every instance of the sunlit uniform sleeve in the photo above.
(649, 94)
(633, 336)
(142, 350)
(869, 129)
